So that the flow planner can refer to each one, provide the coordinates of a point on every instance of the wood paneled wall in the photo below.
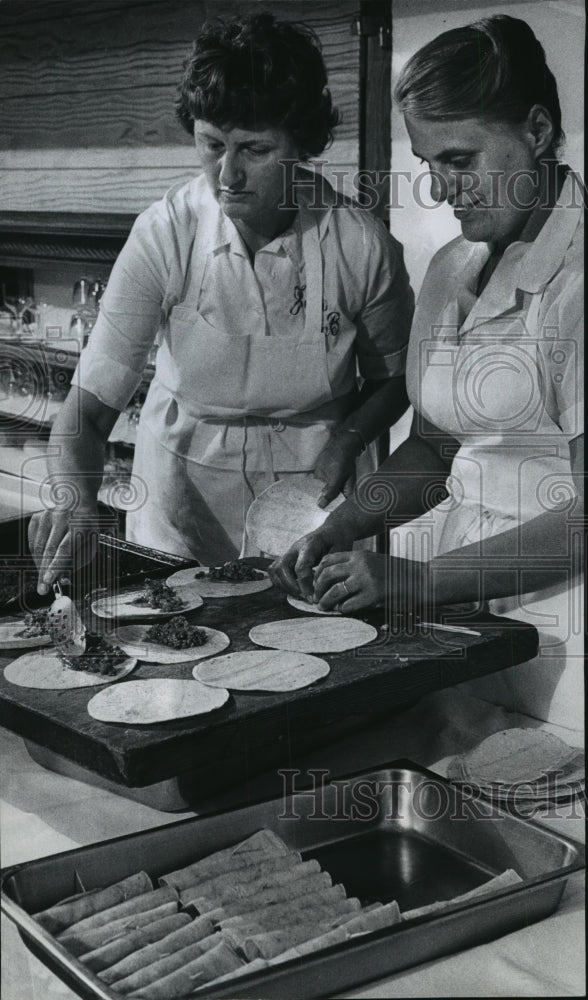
(87, 90)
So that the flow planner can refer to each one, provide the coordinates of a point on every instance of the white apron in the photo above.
(483, 381)
(205, 457)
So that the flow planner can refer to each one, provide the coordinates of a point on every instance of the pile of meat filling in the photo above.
(157, 594)
(100, 657)
(35, 624)
(230, 572)
(177, 633)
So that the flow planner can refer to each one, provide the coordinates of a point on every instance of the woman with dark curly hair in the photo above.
(487, 491)
(266, 292)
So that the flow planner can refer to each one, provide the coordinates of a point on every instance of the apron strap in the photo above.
(313, 269)
(203, 245)
(313, 320)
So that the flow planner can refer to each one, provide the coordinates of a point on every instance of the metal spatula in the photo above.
(65, 626)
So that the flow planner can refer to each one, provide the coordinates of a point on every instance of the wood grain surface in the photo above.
(87, 88)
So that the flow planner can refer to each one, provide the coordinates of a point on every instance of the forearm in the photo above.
(77, 451)
(381, 403)
(541, 553)
(408, 482)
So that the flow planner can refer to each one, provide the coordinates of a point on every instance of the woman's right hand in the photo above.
(61, 541)
(293, 572)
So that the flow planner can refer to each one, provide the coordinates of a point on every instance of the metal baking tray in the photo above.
(399, 832)
(117, 562)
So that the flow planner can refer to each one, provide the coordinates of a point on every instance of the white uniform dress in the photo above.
(503, 373)
(256, 364)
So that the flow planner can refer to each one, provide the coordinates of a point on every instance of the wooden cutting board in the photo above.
(254, 732)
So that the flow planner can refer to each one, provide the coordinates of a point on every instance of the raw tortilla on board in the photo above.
(309, 608)
(314, 635)
(144, 702)
(262, 670)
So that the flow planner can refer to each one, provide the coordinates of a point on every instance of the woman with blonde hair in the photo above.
(485, 495)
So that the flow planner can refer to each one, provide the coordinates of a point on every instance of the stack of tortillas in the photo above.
(526, 767)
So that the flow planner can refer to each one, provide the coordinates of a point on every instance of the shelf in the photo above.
(53, 354)
(30, 412)
(20, 496)
(27, 238)
(50, 351)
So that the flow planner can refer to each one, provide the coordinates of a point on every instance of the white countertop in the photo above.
(42, 813)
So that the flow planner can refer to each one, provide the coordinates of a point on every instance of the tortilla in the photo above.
(145, 702)
(516, 755)
(47, 670)
(121, 606)
(325, 940)
(268, 944)
(79, 942)
(262, 670)
(166, 964)
(255, 966)
(502, 881)
(261, 844)
(308, 607)
(11, 637)
(562, 783)
(284, 512)
(69, 911)
(217, 962)
(314, 635)
(270, 886)
(308, 903)
(251, 879)
(129, 907)
(113, 953)
(144, 955)
(218, 588)
(369, 919)
(131, 638)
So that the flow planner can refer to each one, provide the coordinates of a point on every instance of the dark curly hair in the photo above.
(493, 69)
(257, 72)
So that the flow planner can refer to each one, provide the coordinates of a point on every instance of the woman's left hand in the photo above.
(335, 466)
(349, 581)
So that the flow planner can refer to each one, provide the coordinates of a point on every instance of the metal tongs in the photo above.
(66, 628)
